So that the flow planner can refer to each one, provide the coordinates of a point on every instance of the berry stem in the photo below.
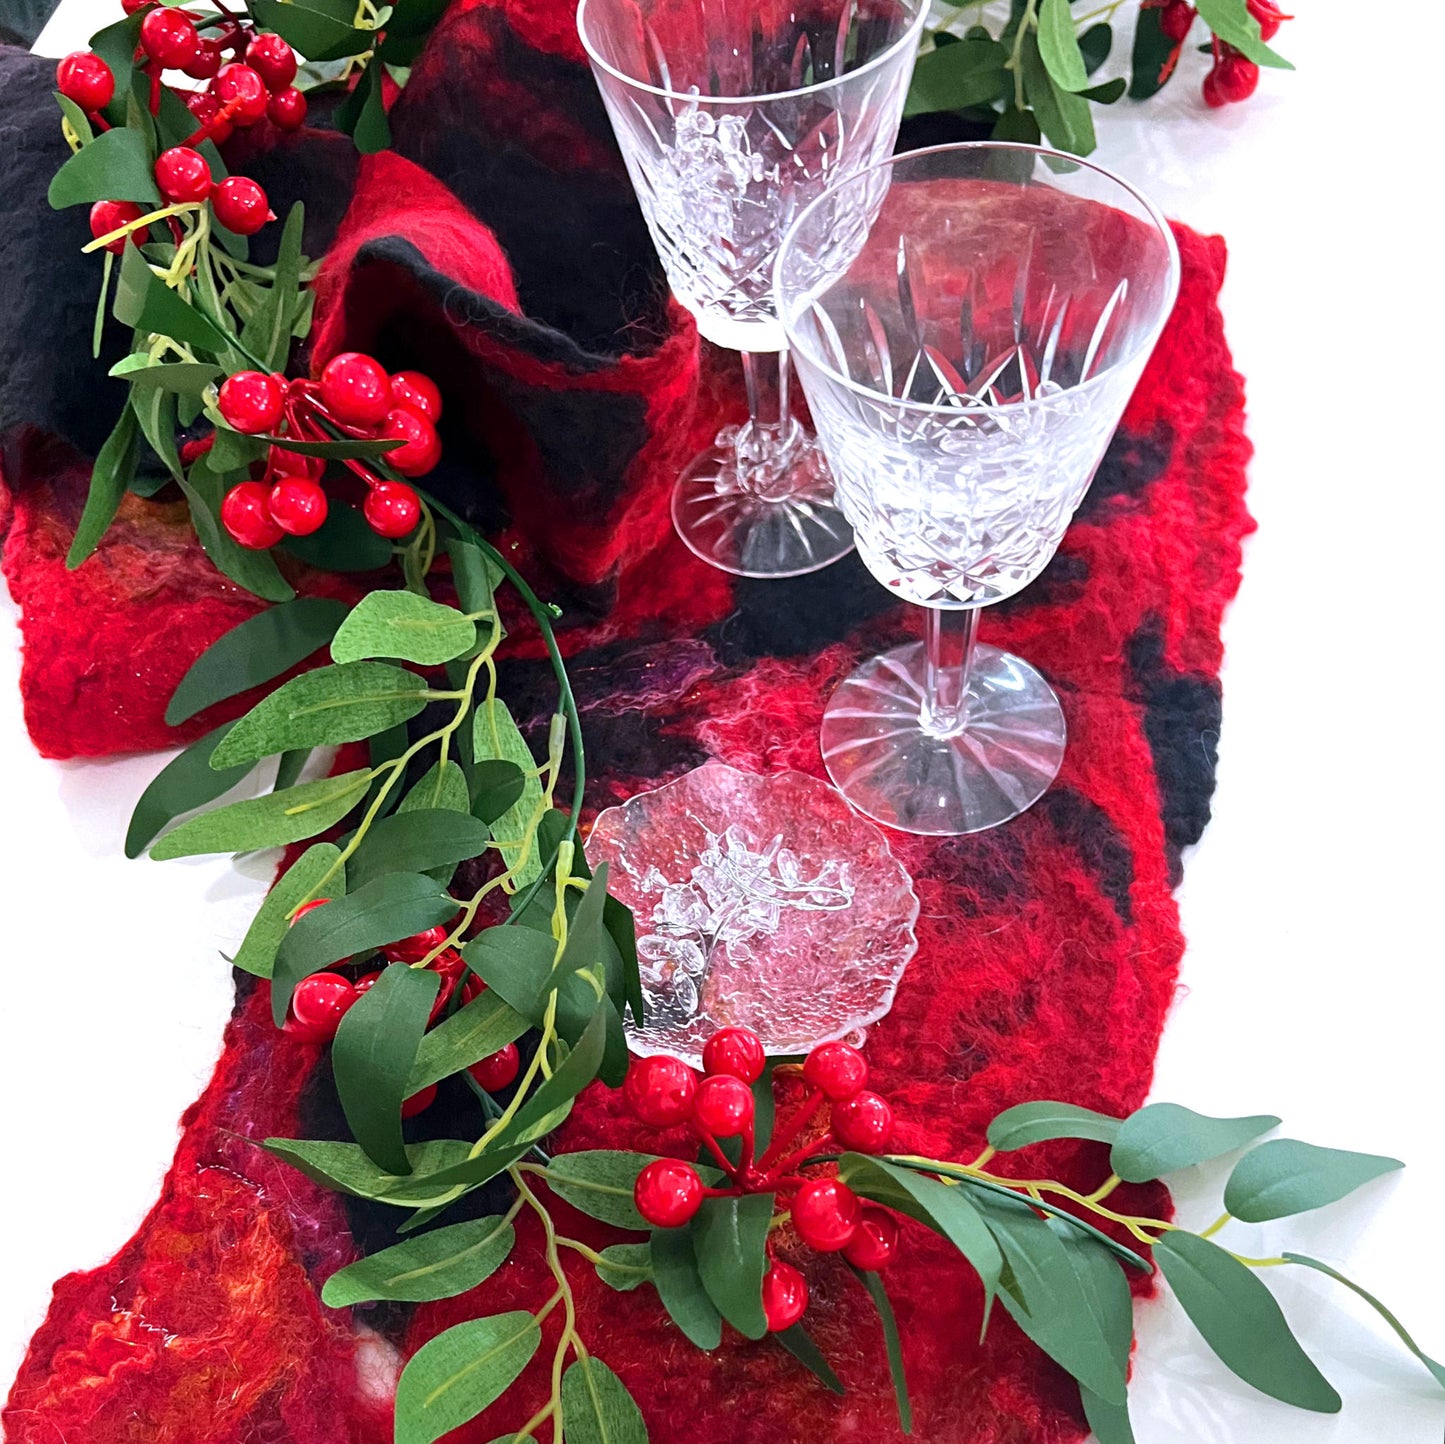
(800, 1156)
(723, 1161)
(790, 1130)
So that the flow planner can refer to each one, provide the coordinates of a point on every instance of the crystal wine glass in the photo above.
(732, 115)
(968, 323)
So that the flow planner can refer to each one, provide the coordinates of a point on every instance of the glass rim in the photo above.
(909, 35)
(1143, 348)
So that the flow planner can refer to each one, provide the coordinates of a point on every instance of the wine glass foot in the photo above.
(889, 767)
(786, 528)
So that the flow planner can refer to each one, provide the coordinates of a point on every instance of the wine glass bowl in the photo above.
(968, 323)
(731, 117)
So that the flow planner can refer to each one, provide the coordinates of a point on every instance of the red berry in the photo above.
(660, 1090)
(825, 1213)
(668, 1192)
(107, 216)
(287, 109)
(240, 85)
(420, 449)
(273, 60)
(1176, 19)
(1269, 15)
(246, 515)
(204, 106)
(419, 1102)
(131, 6)
(472, 987)
(86, 79)
(298, 505)
(417, 946)
(785, 1296)
(498, 1069)
(367, 981)
(1233, 79)
(204, 64)
(863, 1122)
(839, 1070)
(448, 963)
(356, 389)
(737, 1051)
(321, 1001)
(872, 1247)
(251, 402)
(169, 37)
(392, 509)
(183, 175)
(419, 391)
(723, 1106)
(443, 997)
(241, 205)
(308, 907)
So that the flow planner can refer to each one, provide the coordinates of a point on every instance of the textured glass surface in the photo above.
(759, 900)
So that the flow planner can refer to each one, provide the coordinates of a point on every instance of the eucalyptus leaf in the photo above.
(1152, 63)
(271, 821)
(475, 1031)
(110, 476)
(1107, 1294)
(254, 570)
(155, 410)
(182, 377)
(333, 450)
(515, 963)
(456, 1375)
(728, 1236)
(1095, 44)
(1040, 1122)
(1284, 1176)
(436, 1265)
(116, 166)
(444, 785)
(497, 786)
(257, 953)
(800, 1344)
(363, 114)
(955, 77)
(1059, 46)
(187, 781)
(372, 1056)
(1241, 1321)
(1064, 117)
(1232, 22)
(346, 1168)
(892, 1343)
(680, 1287)
(79, 121)
(316, 34)
(144, 301)
(495, 735)
(597, 1407)
(326, 706)
(404, 625)
(414, 842)
(1164, 1137)
(626, 1266)
(290, 766)
(599, 1182)
(257, 650)
(267, 332)
(475, 576)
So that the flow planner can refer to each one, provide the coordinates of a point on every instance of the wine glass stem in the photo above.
(765, 443)
(949, 640)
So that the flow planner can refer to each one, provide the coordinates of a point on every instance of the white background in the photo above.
(1311, 985)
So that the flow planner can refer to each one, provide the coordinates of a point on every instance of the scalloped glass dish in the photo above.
(762, 901)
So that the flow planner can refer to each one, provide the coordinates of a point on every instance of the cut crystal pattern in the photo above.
(763, 901)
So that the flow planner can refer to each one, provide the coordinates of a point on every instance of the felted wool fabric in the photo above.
(500, 248)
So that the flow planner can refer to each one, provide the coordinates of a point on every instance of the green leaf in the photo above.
(597, 1407)
(436, 1265)
(332, 450)
(362, 114)
(627, 1266)
(1043, 1293)
(372, 1056)
(1241, 1322)
(1285, 1176)
(1017, 125)
(1064, 117)
(391, 907)
(1095, 44)
(271, 821)
(328, 705)
(599, 1182)
(256, 651)
(950, 1212)
(116, 166)
(475, 1031)
(894, 1345)
(454, 1376)
(144, 301)
(156, 412)
(586, 936)
(1232, 22)
(402, 624)
(185, 782)
(1164, 1137)
(728, 1236)
(515, 963)
(317, 35)
(257, 953)
(799, 1343)
(475, 577)
(1107, 93)
(343, 543)
(290, 767)
(1107, 1294)
(254, 570)
(346, 1168)
(79, 121)
(444, 785)
(680, 1287)
(109, 477)
(1152, 61)
(1059, 46)
(1437, 1370)
(495, 735)
(617, 918)
(415, 841)
(1109, 1422)
(1040, 1122)
(188, 378)
(497, 786)
(267, 332)
(955, 77)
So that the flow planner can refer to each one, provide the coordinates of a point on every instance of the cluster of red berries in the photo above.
(354, 396)
(664, 1092)
(1233, 76)
(322, 1000)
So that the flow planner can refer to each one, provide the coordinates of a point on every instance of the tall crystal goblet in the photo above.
(732, 115)
(968, 323)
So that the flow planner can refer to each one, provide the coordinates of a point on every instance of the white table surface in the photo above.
(1311, 983)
